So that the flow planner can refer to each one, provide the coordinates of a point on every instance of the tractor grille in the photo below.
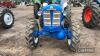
(55, 18)
(47, 20)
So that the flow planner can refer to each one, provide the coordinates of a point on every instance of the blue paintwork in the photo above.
(59, 1)
(55, 6)
(57, 32)
(46, 1)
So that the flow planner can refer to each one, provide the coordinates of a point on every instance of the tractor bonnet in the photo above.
(56, 7)
(52, 17)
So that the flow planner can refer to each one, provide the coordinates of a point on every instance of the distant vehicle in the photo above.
(8, 4)
(91, 13)
(6, 18)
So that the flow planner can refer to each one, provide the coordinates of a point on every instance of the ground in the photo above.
(13, 43)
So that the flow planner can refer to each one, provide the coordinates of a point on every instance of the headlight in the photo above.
(45, 4)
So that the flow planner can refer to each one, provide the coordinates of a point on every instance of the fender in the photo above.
(65, 5)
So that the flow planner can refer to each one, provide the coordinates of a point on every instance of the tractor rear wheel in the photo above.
(6, 18)
(91, 15)
(73, 26)
(32, 41)
(73, 43)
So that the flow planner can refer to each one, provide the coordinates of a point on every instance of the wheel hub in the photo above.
(87, 14)
(8, 19)
(69, 41)
(36, 40)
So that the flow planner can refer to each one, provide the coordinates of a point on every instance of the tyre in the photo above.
(67, 17)
(36, 9)
(73, 26)
(32, 40)
(74, 5)
(7, 18)
(90, 15)
(73, 43)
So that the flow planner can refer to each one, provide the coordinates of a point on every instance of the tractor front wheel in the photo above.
(73, 42)
(32, 40)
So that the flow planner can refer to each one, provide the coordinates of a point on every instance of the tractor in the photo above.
(8, 4)
(6, 18)
(91, 13)
(53, 20)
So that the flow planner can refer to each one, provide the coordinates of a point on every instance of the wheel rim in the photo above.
(36, 40)
(8, 19)
(69, 42)
(87, 14)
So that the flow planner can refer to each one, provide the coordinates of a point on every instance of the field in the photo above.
(13, 43)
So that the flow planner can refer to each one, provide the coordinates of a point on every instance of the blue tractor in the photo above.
(54, 21)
